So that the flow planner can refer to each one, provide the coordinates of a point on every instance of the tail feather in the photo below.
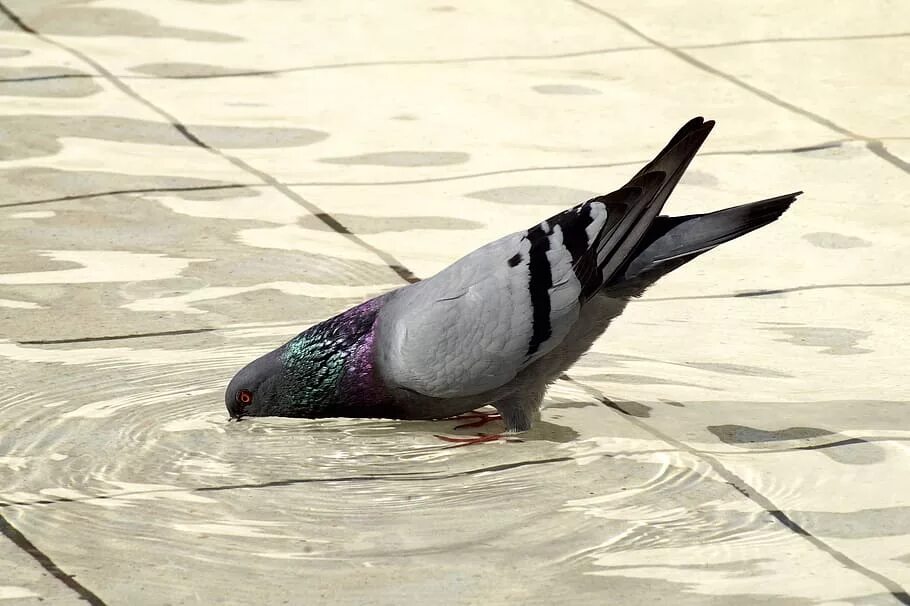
(656, 182)
(673, 241)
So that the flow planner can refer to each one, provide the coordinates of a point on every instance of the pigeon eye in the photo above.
(244, 397)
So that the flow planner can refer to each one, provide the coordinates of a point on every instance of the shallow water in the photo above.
(130, 456)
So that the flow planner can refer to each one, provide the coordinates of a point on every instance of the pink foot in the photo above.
(478, 417)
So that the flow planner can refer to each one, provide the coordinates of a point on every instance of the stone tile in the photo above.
(837, 79)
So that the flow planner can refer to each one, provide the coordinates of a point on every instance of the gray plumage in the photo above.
(501, 324)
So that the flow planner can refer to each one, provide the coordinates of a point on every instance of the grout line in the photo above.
(396, 62)
(458, 60)
(20, 540)
(751, 152)
(688, 58)
(138, 190)
(266, 178)
(748, 491)
(400, 477)
(167, 333)
(877, 147)
(138, 335)
(775, 291)
(48, 77)
(786, 39)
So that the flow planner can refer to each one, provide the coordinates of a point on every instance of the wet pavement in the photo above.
(187, 183)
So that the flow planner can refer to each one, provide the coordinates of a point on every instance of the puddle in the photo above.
(129, 447)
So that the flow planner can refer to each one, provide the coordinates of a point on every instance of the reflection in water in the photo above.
(130, 448)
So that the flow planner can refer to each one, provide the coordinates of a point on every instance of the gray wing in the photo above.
(475, 325)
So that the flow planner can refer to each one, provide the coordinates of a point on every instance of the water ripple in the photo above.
(130, 446)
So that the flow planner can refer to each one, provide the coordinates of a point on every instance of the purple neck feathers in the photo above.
(360, 385)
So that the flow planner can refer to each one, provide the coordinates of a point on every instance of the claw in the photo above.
(476, 418)
(479, 418)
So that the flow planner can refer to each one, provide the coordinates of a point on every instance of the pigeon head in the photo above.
(253, 391)
(299, 379)
(321, 372)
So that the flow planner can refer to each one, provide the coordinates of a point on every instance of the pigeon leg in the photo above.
(519, 409)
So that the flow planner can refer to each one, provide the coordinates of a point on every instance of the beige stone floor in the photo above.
(740, 436)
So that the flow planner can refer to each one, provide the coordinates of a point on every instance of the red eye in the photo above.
(244, 397)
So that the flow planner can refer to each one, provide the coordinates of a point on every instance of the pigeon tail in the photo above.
(673, 241)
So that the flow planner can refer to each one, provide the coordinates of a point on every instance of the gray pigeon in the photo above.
(501, 324)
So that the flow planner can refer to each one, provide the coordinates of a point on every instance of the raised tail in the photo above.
(638, 204)
(673, 241)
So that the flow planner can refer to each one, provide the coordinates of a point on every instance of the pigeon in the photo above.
(501, 324)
